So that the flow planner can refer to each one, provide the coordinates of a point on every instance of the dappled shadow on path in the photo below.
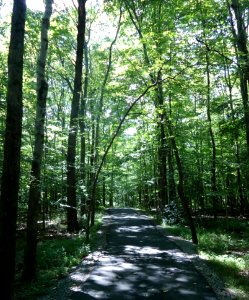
(140, 263)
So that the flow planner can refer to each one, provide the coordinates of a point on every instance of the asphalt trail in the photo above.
(140, 263)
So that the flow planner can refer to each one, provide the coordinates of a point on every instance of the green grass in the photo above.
(55, 258)
(224, 244)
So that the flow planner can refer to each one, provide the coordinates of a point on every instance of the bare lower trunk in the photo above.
(162, 150)
(12, 145)
(240, 35)
(72, 220)
(181, 188)
(83, 132)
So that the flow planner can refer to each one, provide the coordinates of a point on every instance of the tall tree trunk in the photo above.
(181, 186)
(83, 132)
(240, 35)
(172, 185)
(162, 151)
(212, 139)
(104, 192)
(236, 135)
(209, 118)
(72, 220)
(12, 145)
(241, 46)
(29, 272)
(111, 188)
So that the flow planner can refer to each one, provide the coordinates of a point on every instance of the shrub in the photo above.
(173, 214)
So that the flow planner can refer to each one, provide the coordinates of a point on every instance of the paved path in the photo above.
(139, 263)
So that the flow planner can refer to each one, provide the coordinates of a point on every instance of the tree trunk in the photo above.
(172, 185)
(104, 192)
(72, 220)
(83, 132)
(212, 139)
(236, 141)
(12, 144)
(240, 35)
(180, 188)
(29, 272)
(162, 151)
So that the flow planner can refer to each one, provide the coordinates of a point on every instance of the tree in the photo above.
(240, 35)
(12, 144)
(99, 113)
(29, 272)
(138, 19)
(114, 136)
(72, 222)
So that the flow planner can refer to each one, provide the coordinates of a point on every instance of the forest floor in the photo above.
(137, 260)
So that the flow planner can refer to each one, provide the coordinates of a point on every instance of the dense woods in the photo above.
(120, 103)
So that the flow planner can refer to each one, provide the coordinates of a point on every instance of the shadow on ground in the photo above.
(139, 263)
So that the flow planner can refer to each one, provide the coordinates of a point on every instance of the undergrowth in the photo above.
(224, 244)
(56, 256)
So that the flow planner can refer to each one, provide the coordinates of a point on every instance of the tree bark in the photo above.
(72, 220)
(212, 139)
(104, 192)
(172, 185)
(162, 150)
(83, 132)
(235, 137)
(29, 272)
(180, 188)
(240, 36)
(12, 145)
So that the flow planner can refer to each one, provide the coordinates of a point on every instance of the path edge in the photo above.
(215, 282)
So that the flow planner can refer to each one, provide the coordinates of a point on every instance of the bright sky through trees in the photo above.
(38, 5)
(35, 5)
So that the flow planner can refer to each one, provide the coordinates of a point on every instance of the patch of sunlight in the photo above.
(97, 295)
(79, 277)
(150, 250)
(180, 254)
(76, 288)
(132, 228)
(186, 292)
(103, 280)
(107, 273)
(182, 278)
(125, 216)
(174, 253)
(120, 267)
(123, 286)
(233, 261)
(129, 249)
(174, 270)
